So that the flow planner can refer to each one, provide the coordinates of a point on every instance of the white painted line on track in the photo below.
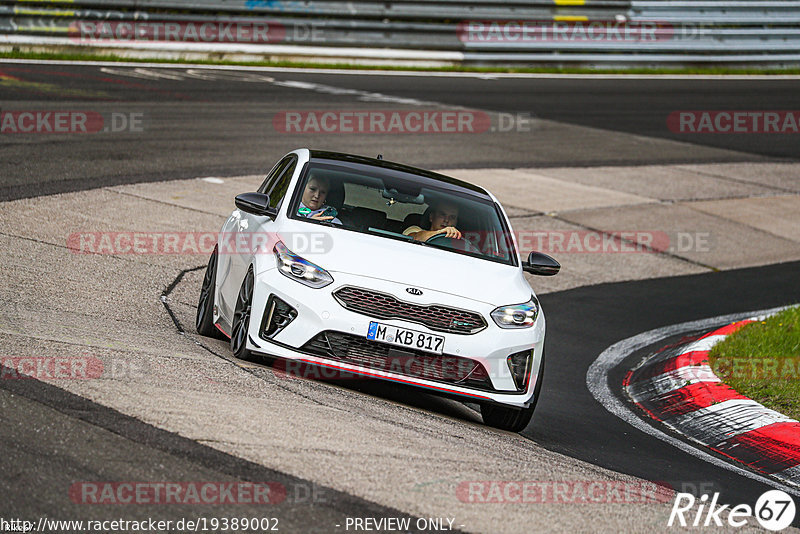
(364, 96)
(354, 52)
(425, 74)
(597, 382)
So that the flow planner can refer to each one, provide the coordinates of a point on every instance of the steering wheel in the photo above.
(451, 242)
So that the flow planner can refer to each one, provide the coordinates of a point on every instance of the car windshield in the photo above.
(370, 200)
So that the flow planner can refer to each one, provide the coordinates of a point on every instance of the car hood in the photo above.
(415, 265)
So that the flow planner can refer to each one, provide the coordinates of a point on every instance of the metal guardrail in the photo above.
(393, 11)
(762, 32)
(717, 12)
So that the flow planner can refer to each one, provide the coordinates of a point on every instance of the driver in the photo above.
(313, 205)
(442, 218)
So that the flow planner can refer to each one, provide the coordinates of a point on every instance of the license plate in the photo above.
(405, 338)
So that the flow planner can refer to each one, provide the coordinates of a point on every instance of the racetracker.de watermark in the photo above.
(70, 122)
(436, 367)
(547, 241)
(192, 243)
(746, 368)
(399, 122)
(607, 242)
(195, 492)
(50, 367)
(84, 367)
(564, 492)
(200, 31)
(734, 122)
(530, 31)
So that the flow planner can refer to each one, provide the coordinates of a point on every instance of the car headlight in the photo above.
(517, 315)
(300, 269)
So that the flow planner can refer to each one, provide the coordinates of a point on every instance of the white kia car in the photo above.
(375, 269)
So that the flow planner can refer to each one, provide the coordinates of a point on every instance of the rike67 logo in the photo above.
(774, 510)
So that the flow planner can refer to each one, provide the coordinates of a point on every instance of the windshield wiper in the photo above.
(425, 243)
(388, 233)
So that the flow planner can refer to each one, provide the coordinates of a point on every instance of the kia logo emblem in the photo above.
(414, 291)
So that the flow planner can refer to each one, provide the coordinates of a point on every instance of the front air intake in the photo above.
(357, 350)
(277, 316)
(520, 365)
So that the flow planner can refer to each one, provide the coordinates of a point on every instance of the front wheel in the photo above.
(513, 419)
(507, 418)
(204, 322)
(241, 318)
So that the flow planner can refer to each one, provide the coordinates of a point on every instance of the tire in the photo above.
(513, 419)
(204, 323)
(241, 318)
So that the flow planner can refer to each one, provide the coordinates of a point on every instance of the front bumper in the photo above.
(319, 312)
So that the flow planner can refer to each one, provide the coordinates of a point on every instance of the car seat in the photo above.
(418, 219)
(363, 218)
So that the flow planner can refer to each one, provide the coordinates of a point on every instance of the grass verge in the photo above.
(89, 56)
(762, 361)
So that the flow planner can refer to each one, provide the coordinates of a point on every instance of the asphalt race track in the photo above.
(218, 123)
(57, 437)
(585, 321)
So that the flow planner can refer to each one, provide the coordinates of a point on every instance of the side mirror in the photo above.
(256, 204)
(541, 264)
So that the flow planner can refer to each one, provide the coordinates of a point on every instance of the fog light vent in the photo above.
(277, 316)
(520, 365)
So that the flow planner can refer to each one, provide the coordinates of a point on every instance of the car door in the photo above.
(239, 233)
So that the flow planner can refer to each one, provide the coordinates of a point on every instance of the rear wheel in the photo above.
(204, 323)
(513, 419)
(241, 318)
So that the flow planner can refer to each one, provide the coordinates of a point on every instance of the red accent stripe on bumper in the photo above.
(223, 331)
(366, 373)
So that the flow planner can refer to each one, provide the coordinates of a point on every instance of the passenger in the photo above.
(443, 217)
(313, 204)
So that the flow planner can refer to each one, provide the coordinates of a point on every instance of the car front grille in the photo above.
(357, 350)
(434, 316)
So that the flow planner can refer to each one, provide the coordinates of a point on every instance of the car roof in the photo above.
(387, 169)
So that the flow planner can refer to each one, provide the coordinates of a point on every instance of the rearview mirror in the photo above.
(541, 264)
(256, 204)
(405, 198)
